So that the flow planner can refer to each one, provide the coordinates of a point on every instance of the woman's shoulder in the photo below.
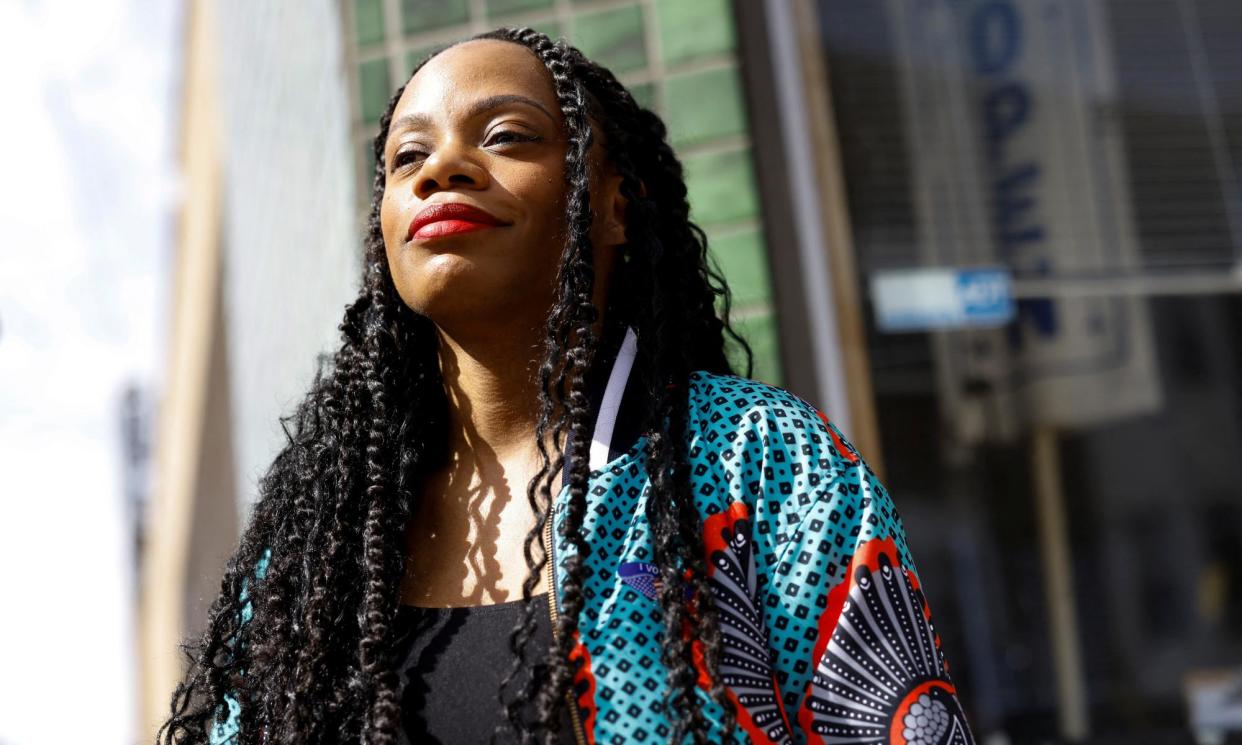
(729, 413)
(791, 468)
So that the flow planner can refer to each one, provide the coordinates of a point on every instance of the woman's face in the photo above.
(480, 125)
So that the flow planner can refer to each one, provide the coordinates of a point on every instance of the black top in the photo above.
(452, 662)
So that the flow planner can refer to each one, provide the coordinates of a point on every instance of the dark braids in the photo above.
(315, 662)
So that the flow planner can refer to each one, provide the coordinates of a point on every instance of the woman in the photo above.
(724, 564)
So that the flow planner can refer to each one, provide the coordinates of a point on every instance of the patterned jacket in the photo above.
(827, 635)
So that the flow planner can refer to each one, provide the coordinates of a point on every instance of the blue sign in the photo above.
(942, 298)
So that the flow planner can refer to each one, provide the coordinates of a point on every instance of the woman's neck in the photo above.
(491, 382)
(492, 389)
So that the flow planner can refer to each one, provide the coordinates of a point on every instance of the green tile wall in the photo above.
(375, 88)
(498, 9)
(368, 22)
(694, 28)
(760, 332)
(419, 16)
(742, 260)
(703, 106)
(678, 58)
(721, 186)
(614, 38)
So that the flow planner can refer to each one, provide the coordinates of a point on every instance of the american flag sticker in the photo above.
(645, 577)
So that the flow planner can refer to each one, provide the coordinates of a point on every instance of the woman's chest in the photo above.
(464, 541)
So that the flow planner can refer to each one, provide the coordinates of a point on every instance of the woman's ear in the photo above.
(614, 217)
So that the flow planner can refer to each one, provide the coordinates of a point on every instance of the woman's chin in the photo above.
(445, 274)
(454, 304)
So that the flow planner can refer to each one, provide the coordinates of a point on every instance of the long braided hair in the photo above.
(307, 649)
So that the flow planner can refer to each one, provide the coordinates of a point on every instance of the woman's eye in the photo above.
(404, 156)
(500, 138)
(512, 137)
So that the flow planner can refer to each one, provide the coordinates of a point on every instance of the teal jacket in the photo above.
(827, 635)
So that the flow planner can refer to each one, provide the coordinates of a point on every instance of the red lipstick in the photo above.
(450, 218)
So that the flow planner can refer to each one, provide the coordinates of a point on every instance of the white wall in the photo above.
(292, 252)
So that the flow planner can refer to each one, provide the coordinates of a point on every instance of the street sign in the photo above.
(941, 298)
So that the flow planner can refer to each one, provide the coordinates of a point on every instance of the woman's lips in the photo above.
(448, 218)
(448, 227)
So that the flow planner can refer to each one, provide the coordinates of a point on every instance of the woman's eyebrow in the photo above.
(423, 121)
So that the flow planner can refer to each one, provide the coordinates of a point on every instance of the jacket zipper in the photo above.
(579, 736)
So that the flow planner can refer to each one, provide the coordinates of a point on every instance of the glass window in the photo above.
(1047, 219)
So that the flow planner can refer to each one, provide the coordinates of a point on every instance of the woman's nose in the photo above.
(450, 164)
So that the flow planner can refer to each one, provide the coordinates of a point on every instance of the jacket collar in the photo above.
(615, 400)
